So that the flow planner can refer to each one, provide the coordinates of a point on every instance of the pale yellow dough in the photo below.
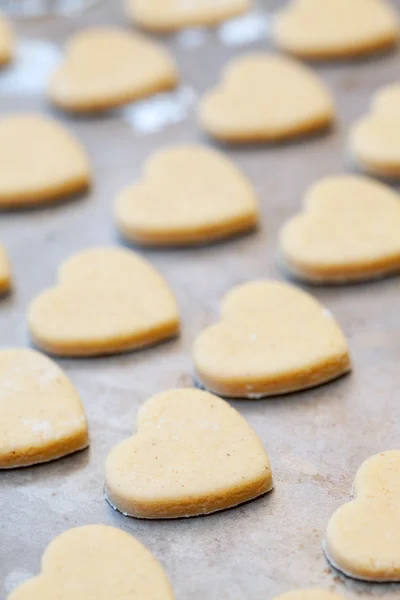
(40, 161)
(41, 415)
(6, 41)
(363, 536)
(193, 454)
(108, 300)
(272, 339)
(188, 195)
(5, 272)
(107, 67)
(312, 594)
(265, 97)
(97, 562)
(375, 138)
(349, 230)
(326, 29)
(169, 15)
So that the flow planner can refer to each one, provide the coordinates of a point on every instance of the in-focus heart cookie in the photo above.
(265, 97)
(97, 561)
(349, 230)
(40, 161)
(312, 594)
(108, 300)
(170, 15)
(41, 415)
(273, 338)
(5, 271)
(336, 28)
(193, 454)
(375, 138)
(6, 41)
(107, 67)
(363, 536)
(188, 195)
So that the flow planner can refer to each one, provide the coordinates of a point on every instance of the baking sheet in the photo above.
(316, 440)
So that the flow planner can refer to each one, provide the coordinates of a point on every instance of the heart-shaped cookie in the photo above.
(375, 138)
(336, 28)
(265, 97)
(108, 300)
(273, 338)
(312, 594)
(349, 230)
(40, 161)
(97, 561)
(188, 195)
(6, 41)
(41, 415)
(107, 67)
(363, 536)
(193, 454)
(5, 272)
(170, 15)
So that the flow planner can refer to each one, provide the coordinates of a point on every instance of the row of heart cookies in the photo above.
(168, 469)
(98, 561)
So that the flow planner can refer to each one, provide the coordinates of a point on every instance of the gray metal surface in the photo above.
(316, 440)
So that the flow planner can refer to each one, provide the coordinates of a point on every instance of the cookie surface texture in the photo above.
(349, 230)
(97, 561)
(108, 67)
(108, 300)
(41, 415)
(265, 98)
(272, 339)
(193, 454)
(188, 195)
(362, 538)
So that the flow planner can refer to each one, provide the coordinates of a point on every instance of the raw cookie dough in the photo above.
(5, 272)
(325, 29)
(363, 536)
(193, 454)
(312, 594)
(41, 415)
(6, 41)
(40, 161)
(169, 15)
(263, 98)
(108, 300)
(273, 338)
(375, 138)
(97, 561)
(106, 67)
(349, 230)
(188, 195)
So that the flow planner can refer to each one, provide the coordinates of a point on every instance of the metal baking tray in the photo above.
(316, 439)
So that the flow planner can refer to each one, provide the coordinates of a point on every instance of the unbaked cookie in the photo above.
(40, 161)
(41, 415)
(169, 15)
(336, 28)
(193, 454)
(312, 594)
(265, 97)
(375, 138)
(349, 230)
(272, 339)
(106, 67)
(188, 195)
(5, 272)
(108, 300)
(363, 536)
(97, 561)
(6, 41)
